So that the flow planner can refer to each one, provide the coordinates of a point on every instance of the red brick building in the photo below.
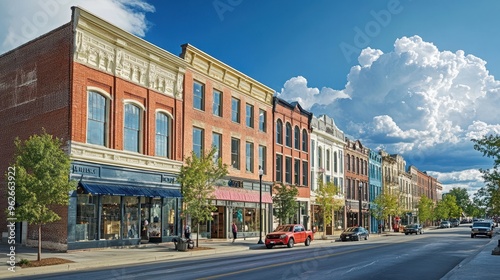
(117, 101)
(356, 184)
(292, 130)
(233, 112)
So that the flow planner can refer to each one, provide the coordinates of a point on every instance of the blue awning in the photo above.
(124, 190)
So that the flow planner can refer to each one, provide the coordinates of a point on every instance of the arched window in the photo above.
(132, 128)
(304, 140)
(288, 135)
(163, 138)
(296, 138)
(279, 132)
(96, 118)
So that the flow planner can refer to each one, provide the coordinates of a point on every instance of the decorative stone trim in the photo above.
(102, 155)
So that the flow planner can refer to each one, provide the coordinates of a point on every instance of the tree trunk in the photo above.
(39, 242)
(197, 233)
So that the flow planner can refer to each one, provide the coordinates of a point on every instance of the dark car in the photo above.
(455, 222)
(481, 228)
(354, 233)
(413, 228)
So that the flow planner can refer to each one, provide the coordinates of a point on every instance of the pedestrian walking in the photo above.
(187, 231)
(234, 228)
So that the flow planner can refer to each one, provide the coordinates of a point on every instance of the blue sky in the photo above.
(418, 78)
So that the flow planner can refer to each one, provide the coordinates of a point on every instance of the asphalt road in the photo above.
(427, 256)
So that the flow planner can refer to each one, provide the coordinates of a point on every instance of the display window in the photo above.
(111, 217)
(130, 227)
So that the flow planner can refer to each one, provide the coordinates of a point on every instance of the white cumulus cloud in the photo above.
(22, 23)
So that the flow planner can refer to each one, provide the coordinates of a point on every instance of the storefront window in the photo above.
(155, 225)
(169, 216)
(86, 218)
(110, 220)
(131, 219)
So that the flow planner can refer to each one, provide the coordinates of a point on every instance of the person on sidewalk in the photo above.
(234, 229)
(187, 231)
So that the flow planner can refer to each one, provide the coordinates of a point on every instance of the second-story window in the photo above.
(262, 158)
(198, 136)
(198, 96)
(328, 159)
(96, 119)
(132, 128)
(249, 157)
(163, 139)
(279, 168)
(217, 144)
(235, 153)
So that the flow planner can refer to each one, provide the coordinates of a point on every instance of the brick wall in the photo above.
(34, 93)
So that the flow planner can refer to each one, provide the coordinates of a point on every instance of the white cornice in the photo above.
(102, 155)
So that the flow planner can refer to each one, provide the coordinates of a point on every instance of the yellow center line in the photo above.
(296, 261)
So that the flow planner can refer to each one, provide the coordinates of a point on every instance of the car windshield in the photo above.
(411, 226)
(351, 229)
(481, 225)
(284, 228)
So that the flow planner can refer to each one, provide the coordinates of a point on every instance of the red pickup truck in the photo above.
(289, 235)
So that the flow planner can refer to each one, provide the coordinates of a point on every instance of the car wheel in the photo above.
(472, 236)
(366, 237)
(308, 241)
(290, 243)
(406, 233)
(269, 246)
(490, 236)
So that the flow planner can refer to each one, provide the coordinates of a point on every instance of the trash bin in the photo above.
(181, 245)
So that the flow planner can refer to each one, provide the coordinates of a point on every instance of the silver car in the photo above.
(445, 224)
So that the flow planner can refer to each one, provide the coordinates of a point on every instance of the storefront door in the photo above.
(217, 229)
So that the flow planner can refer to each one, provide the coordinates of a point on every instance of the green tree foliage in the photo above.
(42, 180)
(198, 177)
(489, 146)
(284, 202)
(385, 205)
(461, 197)
(447, 208)
(325, 198)
(425, 209)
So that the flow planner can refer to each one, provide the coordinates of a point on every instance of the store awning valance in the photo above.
(124, 190)
(236, 194)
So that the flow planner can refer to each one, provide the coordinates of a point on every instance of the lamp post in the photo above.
(360, 217)
(260, 204)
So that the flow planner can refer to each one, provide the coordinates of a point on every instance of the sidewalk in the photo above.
(481, 265)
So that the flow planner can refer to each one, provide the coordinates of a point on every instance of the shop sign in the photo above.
(169, 179)
(235, 183)
(86, 170)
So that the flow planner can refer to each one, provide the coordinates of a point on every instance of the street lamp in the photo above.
(260, 202)
(360, 216)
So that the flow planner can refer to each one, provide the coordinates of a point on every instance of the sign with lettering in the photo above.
(85, 170)
(235, 183)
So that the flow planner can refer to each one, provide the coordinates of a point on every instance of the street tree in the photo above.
(386, 205)
(461, 197)
(198, 177)
(42, 170)
(489, 146)
(284, 202)
(425, 209)
(325, 198)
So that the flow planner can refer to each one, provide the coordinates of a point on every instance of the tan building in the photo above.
(356, 184)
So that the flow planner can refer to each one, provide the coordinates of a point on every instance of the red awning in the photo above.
(235, 194)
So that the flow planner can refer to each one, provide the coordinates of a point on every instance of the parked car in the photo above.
(289, 235)
(481, 228)
(413, 228)
(354, 233)
(455, 222)
(445, 224)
